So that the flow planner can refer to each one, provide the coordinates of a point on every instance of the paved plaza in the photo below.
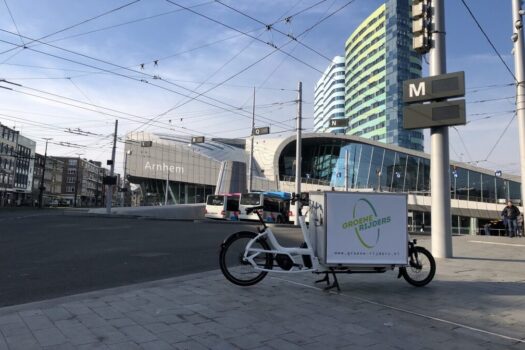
(476, 301)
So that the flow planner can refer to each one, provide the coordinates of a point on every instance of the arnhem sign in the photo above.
(442, 113)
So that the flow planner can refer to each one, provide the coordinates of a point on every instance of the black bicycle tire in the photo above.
(432, 272)
(224, 248)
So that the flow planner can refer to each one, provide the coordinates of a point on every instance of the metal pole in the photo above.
(76, 181)
(125, 194)
(440, 158)
(109, 190)
(167, 184)
(250, 166)
(346, 170)
(517, 28)
(298, 150)
(42, 187)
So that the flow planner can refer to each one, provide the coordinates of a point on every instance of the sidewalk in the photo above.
(476, 301)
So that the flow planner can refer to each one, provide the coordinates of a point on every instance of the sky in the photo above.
(191, 67)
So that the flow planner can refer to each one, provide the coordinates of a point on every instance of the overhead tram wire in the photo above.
(500, 137)
(235, 110)
(488, 40)
(71, 26)
(270, 27)
(246, 34)
(14, 22)
(307, 30)
(271, 53)
(180, 103)
(82, 107)
(128, 22)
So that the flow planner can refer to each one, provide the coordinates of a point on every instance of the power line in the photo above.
(137, 79)
(14, 22)
(126, 23)
(271, 27)
(488, 39)
(246, 34)
(71, 26)
(500, 137)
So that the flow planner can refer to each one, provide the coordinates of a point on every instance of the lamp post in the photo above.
(76, 181)
(125, 180)
(42, 187)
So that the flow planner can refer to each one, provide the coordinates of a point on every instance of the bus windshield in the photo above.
(251, 199)
(215, 200)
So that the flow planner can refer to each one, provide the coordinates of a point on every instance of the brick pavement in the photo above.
(476, 301)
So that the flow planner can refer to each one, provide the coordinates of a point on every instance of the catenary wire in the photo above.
(488, 39)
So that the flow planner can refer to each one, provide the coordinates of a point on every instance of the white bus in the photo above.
(222, 206)
(276, 206)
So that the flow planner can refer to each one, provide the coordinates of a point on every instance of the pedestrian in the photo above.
(519, 221)
(510, 213)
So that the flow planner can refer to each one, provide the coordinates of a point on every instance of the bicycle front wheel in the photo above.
(421, 267)
(235, 267)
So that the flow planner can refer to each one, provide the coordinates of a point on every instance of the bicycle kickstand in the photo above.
(325, 279)
(335, 284)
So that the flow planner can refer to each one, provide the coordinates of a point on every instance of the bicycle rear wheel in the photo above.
(235, 267)
(421, 267)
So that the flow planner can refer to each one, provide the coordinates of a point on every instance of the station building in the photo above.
(161, 163)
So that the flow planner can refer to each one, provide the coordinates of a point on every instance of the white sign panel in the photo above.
(366, 228)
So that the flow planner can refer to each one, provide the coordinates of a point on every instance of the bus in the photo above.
(222, 206)
(276, 206)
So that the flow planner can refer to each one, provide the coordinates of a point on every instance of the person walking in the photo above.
(519, 220)
(510, 214)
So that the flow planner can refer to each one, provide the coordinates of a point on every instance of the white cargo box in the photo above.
(359, 228)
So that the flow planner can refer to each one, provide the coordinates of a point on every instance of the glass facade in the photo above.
(378, 168)
(329, 97)
(154, 192)
(378, 58)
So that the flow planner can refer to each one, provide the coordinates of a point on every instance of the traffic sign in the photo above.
(429, 115)
(197, 139)
(334, 123)
(434, 87)
(261, 131)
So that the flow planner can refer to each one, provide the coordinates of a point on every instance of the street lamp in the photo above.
(124, 194)
(76, 180)
(42, 187)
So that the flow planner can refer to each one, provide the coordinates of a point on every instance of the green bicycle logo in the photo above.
(365, 221)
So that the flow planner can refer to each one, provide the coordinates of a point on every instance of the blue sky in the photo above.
(172, 37)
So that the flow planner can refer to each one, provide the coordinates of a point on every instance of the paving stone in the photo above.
(124, 346)
(49, 337)
(121, 322)
(157, 327)
(57, 313)
(189, 345)
(13, 329)
(107, 312)
(37, 322)
(138, 334)
(108, 335)
(157, 345)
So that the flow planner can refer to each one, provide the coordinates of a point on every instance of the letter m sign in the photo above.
(416, 90)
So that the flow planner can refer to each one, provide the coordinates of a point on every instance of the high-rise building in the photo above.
(379, 57)
(24, 169)
(329, 97)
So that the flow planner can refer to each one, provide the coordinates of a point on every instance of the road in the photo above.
(46, 254)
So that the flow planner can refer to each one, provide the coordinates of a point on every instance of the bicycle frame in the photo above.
(293, 253)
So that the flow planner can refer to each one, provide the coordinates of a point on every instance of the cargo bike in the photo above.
(349, 232)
